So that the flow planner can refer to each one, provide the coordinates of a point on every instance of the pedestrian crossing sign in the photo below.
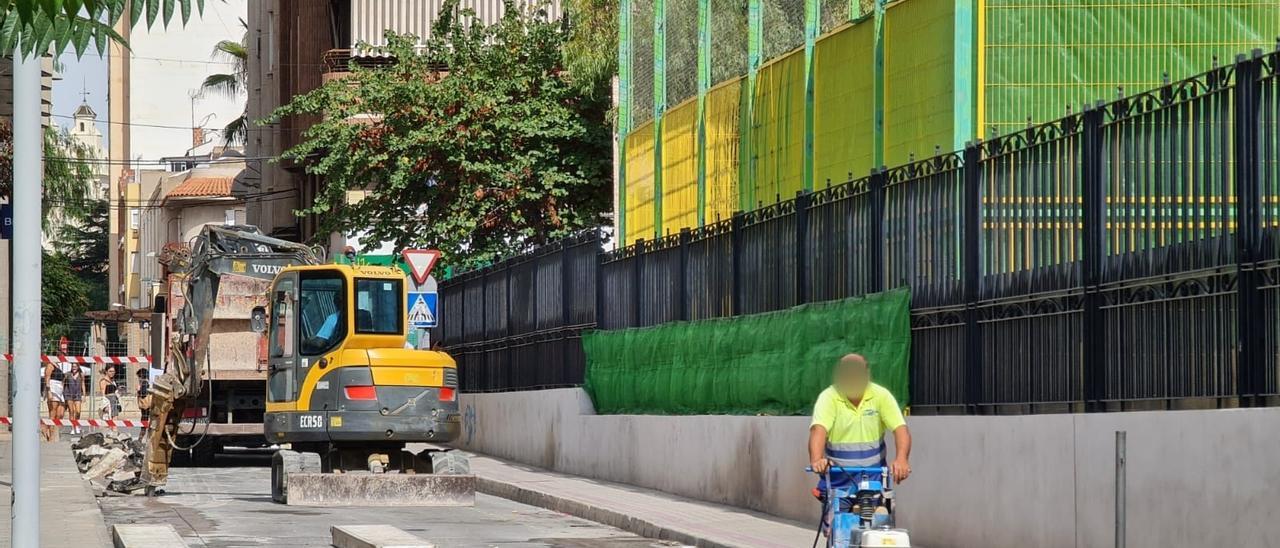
(422, 309)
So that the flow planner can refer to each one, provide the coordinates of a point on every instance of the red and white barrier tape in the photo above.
(51, 358)
(85, 422)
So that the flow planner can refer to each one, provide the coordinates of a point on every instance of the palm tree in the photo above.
(232, 84)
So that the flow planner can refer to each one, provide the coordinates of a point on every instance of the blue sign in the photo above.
(422, 309)
(6, 229)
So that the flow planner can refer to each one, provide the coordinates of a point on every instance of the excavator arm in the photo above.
(218, 251)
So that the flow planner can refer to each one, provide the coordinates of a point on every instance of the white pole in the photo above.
(27, 171)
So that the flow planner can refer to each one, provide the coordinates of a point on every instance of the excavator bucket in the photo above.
(296, 479)
(363, 489)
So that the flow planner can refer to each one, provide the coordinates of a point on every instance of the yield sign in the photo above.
(420, 262)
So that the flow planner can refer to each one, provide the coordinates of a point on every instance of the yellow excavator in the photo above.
(344, 392)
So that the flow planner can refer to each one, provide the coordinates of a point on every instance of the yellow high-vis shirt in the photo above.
(855, 434)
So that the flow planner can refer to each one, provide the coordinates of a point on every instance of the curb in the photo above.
(612, 518)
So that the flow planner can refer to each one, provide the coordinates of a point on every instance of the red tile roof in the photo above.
(202, 186)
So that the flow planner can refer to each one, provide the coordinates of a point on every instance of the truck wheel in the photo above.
(285, 462)
(450, 463)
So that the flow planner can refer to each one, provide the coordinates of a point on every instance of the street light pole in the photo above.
(27, 171)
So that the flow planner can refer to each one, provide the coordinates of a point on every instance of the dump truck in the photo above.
(343, 393)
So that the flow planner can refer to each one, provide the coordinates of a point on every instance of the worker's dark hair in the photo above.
(142, 372)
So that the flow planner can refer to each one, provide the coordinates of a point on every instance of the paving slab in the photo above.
(69, 515)
(646, 512)
(147, 536)
(375, 536)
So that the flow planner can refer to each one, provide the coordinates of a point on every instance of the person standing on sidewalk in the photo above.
(73, 392)
(850, 420)
(54, 377)
(110, 394)
(144, 393)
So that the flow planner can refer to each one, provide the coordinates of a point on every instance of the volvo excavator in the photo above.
(344, 393)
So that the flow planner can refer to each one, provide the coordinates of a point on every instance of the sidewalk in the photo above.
(642, 511)
(69, 515)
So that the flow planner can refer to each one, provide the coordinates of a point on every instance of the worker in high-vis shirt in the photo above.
(850, 420)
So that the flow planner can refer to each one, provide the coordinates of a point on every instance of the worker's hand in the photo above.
(821, 465)
(900, 470)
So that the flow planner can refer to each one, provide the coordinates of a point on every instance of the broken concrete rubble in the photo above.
(111, 461)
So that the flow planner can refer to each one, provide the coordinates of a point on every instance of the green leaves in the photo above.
(38, 25)
(499, 154)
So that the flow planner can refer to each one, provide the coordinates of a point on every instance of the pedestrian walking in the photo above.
(144, 393)
(110, 394)
(73, 393)
(54, 377)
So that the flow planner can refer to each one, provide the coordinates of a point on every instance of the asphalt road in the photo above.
(230, 506)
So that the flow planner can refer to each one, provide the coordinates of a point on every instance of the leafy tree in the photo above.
(497, 153)
(591, 51)
(64, 296)
(38, 25)
(84, 244)
(231, 84)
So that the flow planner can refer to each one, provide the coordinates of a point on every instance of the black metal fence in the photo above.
(1126, 256)
(518, 324)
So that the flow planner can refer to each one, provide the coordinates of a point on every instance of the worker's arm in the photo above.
(48, 373)
(893, 421)
(901, 468)
(824, 418)
(818, 448)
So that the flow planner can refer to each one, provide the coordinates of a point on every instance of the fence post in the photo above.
(566, 311)
(804, 200)
(971, 288)
(636, 294)
(1250, 310)
(683, 305)
(875, 232)
(1093, 214)
(597, 315)
(735, 240)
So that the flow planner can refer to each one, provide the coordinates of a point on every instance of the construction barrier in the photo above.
(51, 358)
(85, 422)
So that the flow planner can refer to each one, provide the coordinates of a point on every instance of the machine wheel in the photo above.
(285, 462)
(450, 463)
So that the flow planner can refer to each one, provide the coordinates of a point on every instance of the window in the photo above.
(282, 326)
(378, 307)
(135, 217)
(271, 42)
(322, 318)
(228, 217)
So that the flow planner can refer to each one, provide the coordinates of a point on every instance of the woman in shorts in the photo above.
(54, 378)
(73, 393)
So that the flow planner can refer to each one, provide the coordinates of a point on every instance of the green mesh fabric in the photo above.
(773, 364)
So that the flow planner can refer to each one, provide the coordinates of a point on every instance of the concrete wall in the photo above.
(1196, 478)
